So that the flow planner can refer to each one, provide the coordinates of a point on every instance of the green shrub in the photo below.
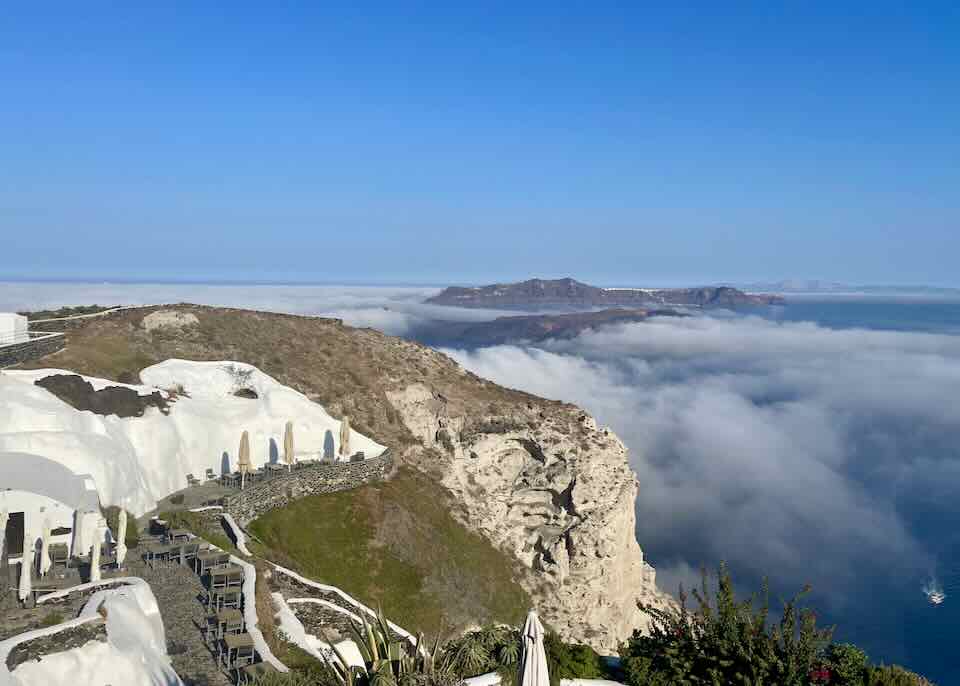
(847, 665)
(498, 649)
(177, 499)
(51, 619)
(894, 676)
(572, 660)
(639, 669)
(491, 649)
(725, 641)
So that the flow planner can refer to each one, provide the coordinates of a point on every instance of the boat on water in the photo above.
(936, 597)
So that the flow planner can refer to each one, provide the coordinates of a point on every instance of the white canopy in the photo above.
(121, 548)
(533, 660)
(26, 564)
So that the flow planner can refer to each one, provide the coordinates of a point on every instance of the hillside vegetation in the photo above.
(395, 545)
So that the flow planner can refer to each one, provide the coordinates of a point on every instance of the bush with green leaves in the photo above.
(498, 649)
(847, 665)
(725, 641)
(894, 676)
(573, 660)
(491, 649)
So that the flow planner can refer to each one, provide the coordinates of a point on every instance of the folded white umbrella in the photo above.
(533, 660)
(95, 557)
(45, 563)
(345, 437)
(4, 516)
(243, 460)
(26, 585)
(78, 547)
(288, 446)
(121, 549)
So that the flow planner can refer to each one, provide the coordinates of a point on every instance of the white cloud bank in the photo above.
(806, 453)
(395, 310)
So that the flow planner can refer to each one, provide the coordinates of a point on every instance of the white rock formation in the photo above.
(172, 319)
(549, 487)
(138, 460)
(134, 652)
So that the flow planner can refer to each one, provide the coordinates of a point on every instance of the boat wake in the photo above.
(934, 591)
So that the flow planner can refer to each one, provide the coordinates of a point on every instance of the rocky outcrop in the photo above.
(549, 487)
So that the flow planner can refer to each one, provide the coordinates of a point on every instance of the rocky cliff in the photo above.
(535, 477)
(556, 492)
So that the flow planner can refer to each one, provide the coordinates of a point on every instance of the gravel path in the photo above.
(179, 592)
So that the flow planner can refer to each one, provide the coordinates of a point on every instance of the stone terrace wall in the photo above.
(33, 349)
(260, 498)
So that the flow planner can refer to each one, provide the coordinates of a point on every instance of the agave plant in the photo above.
(387, 661)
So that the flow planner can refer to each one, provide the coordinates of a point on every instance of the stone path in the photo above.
(179, 592)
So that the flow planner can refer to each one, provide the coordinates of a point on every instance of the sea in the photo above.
(929, 634)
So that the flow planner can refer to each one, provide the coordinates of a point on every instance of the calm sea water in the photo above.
(928, 635)
(893, 314)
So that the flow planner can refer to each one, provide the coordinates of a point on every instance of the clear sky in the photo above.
(467, 142)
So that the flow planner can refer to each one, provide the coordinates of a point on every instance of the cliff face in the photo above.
(535, 477)
(557, 493)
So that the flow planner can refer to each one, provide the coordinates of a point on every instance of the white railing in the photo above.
(18, 338)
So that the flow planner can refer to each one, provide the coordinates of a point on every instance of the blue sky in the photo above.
(430, 143)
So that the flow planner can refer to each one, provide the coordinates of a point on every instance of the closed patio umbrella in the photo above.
(26, 564)
(4, 516)
(95, 557)
(243, 460)
(45, 548)
(533, 660)
(345, 436)
(288, 445)
(121, 549)
(78, 547)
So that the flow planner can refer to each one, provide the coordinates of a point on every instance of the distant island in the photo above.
(568, 293)
(531, 328)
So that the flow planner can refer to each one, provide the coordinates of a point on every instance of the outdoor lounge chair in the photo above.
(189, 552)
(192, 480)
(224, 598)
(59, 554)
(210, 475)
(236, 650)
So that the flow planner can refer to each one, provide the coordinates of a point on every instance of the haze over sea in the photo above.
(719, 416)
(815, 442)
(926, 641)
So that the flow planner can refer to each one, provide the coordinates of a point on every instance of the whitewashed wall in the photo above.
(13, 328)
